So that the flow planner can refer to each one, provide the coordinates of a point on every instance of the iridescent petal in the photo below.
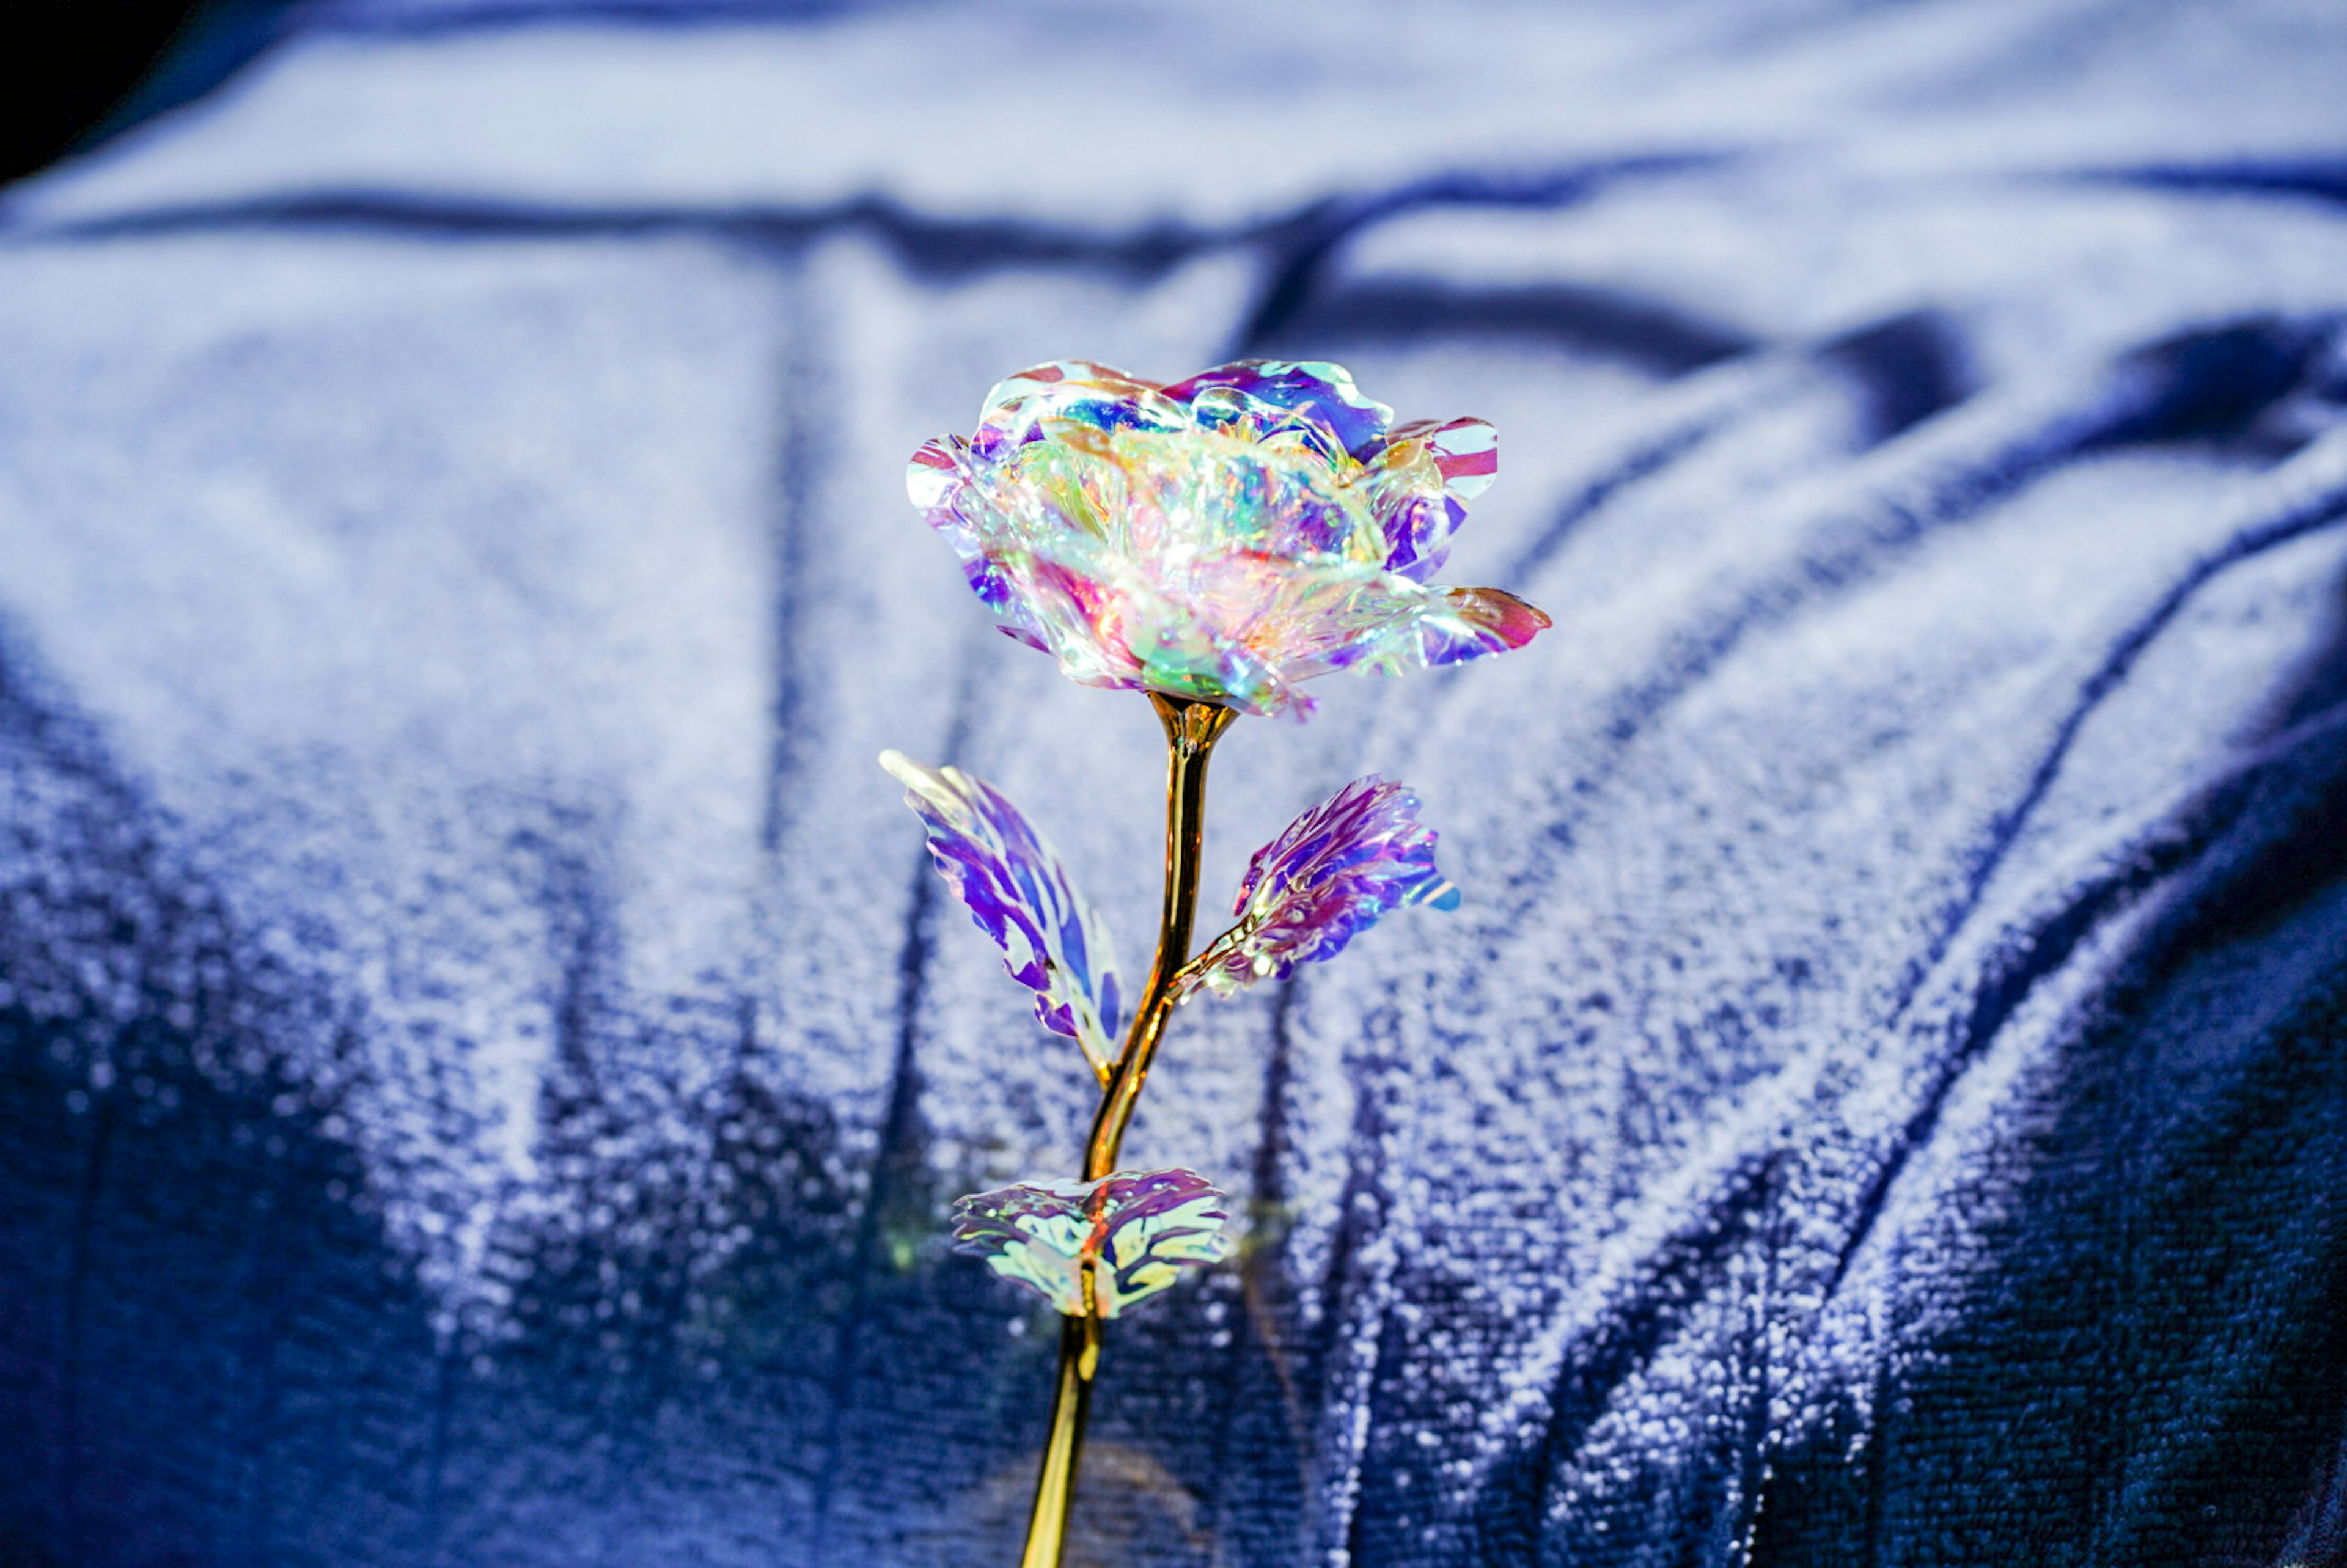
(1423, 482)
(1021, 408)
(1267, 395)
(1007, 873)
(1322, 882)
(1469, 622)
(1136, 1229)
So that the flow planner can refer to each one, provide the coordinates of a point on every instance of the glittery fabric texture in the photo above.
(1224, 537)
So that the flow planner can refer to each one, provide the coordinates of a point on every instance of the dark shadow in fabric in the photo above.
(1510, 1523)
(1907, 368)
(2281, 816)
(2232, 387)
(216, 1356)
(2152, 1366)
(1303, 245)
(2168, 1309)
(932, 248)
(210, 1355)
(206, 1346)
(1298, 245)
(1603, 324)
(2324, 179)
(432, 18)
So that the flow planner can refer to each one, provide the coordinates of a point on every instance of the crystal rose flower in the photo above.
(1223, 538)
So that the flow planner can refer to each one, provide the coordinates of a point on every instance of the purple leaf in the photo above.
(1326, 879)
(1007, 873)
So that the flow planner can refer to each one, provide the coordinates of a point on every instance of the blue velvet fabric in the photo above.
(483, 1057)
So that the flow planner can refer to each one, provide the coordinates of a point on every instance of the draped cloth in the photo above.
(484, 1060)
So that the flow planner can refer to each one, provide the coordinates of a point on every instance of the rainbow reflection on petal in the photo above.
(1224, 537)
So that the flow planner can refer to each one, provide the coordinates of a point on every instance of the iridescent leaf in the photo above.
(1135, 1230)
(1052, 941)
(1326, 879)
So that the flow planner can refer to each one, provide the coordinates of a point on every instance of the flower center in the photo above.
(1175, 499)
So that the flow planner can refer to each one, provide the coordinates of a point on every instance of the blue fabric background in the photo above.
(484, 1060)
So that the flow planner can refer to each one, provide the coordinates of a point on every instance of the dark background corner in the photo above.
(74, 72)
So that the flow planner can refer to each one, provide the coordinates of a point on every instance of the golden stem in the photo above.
(1192, 728)
(1055, 1486)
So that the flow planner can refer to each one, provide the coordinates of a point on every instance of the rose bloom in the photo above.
(1224, 539)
